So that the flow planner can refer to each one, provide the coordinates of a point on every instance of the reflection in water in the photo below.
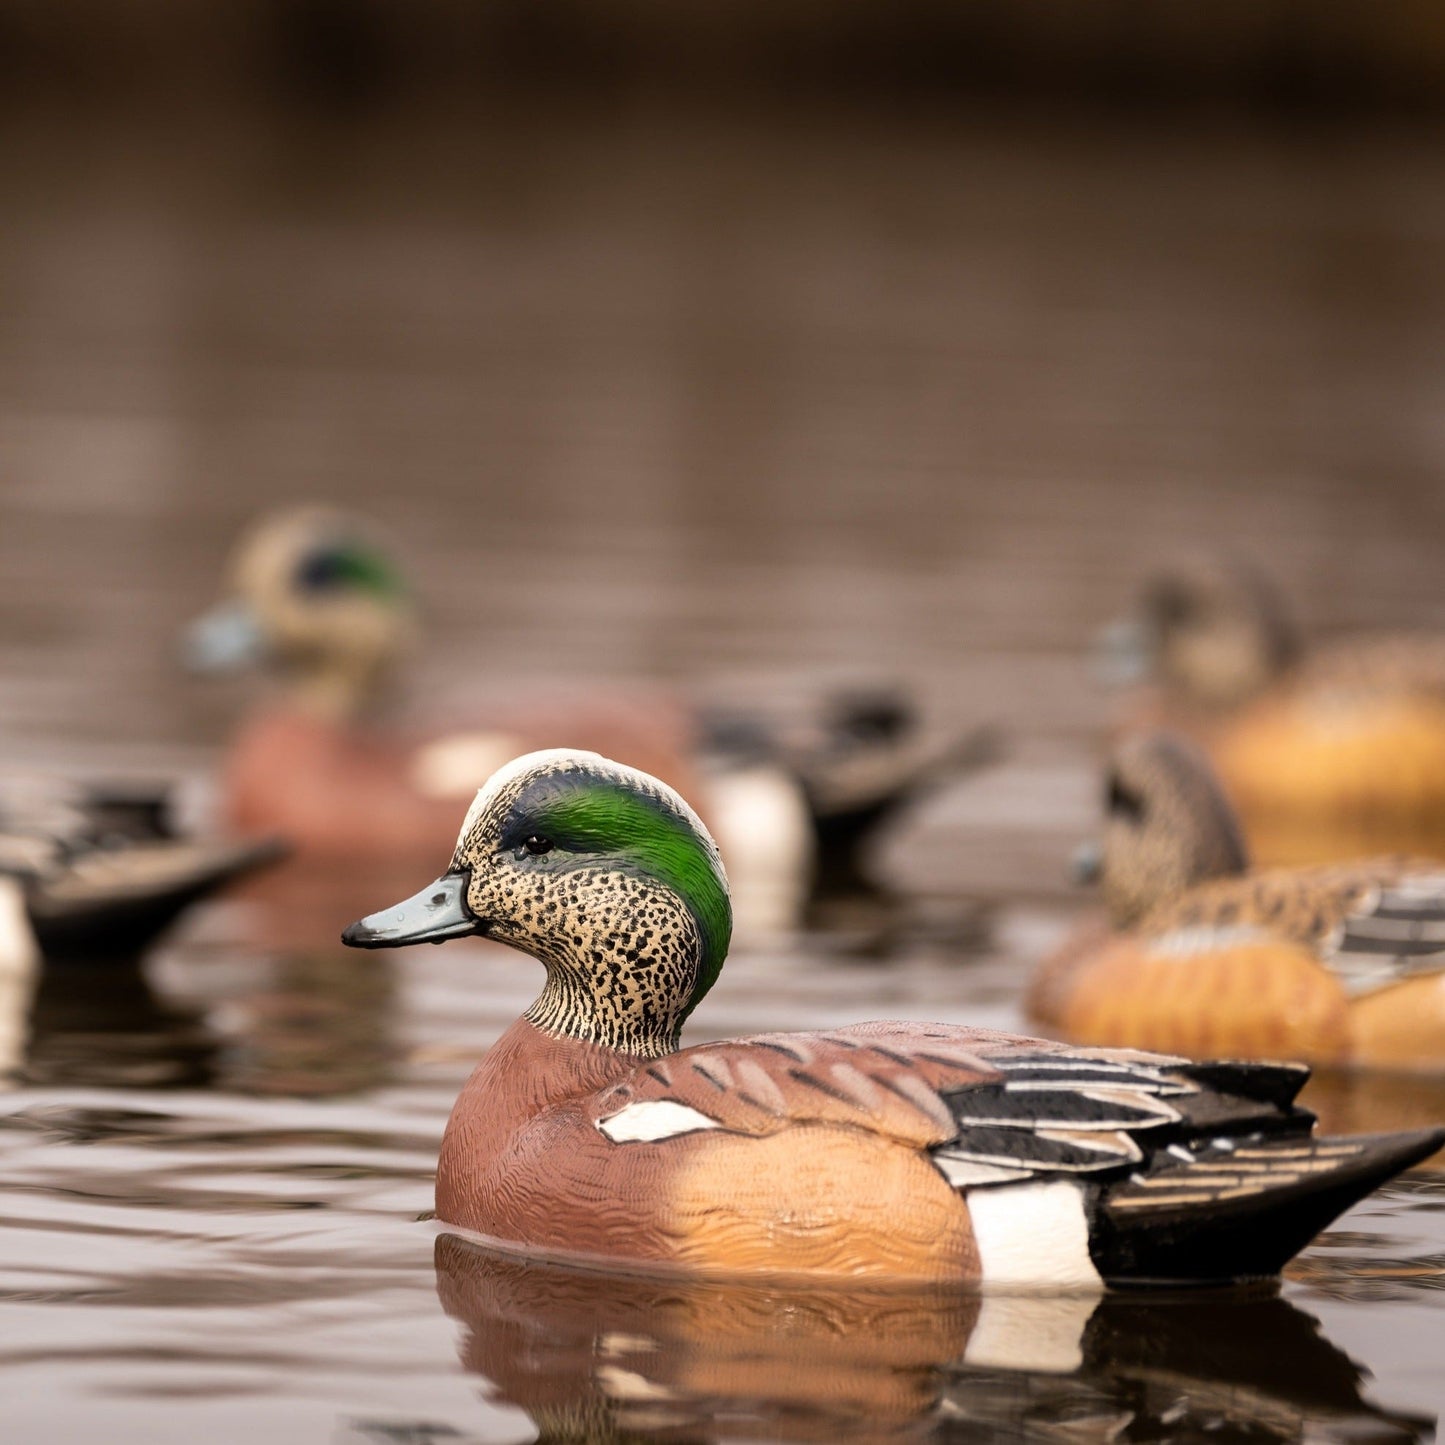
(297, 1014)
(97, 1022)
(1374, 1103)
(600, 1358)
(320, 1025)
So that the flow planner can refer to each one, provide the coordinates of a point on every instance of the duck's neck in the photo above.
(525, 1072)
(335, 690)
(570, 1009)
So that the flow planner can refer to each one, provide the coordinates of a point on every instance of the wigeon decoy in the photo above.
(1340, 964)
(103, 875)
(1327, 754)
(320, 606)
(317, 603)
(882, 1150)
(860, 761)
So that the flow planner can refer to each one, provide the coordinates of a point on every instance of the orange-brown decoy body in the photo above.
(886, 1150)
(1327, 755)
(1340, 965)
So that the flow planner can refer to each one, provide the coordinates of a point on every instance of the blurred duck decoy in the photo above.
(610, 1357)
(1327, 754)
(859, 764)
(102, 875)
(1340, 964)
(319, 605)
(898, 1150)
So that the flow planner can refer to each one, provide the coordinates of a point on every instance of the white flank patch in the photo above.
(654, 1119)
(1033, 1234)
(1031, 1332)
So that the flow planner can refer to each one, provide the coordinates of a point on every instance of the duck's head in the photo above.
(1167, 826)
(314, 598)
(1212, 630)
(600, 871)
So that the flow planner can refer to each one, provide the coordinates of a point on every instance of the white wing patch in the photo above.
(652, 1119)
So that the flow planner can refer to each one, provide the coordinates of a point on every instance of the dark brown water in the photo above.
(743, 409)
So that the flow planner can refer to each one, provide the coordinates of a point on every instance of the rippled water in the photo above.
(742, 409)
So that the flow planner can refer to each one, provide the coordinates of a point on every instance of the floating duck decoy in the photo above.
(321, 608)
(319, 605)
(1327, 754)
(104, 877)
(897, 1150)
(1340, 965)
(859, 764)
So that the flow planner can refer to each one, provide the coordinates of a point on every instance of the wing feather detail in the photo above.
(889, 1079)
(1393, 931)
(989, 1109)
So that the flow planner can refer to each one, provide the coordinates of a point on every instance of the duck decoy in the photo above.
(921, 1151)
(108, 880)
(859, 765)
(319, 605)
(1328, 753)
(1341, 964)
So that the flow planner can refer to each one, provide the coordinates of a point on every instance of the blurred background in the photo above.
(738, 347)
(739, 350)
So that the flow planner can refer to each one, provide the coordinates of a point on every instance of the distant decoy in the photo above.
(320, 606)
(860, 763)
(1327, 753)
(882, 1150)
(102, 874)
(1341, 964)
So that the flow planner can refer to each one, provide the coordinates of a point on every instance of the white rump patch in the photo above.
(653, 1119)
(1033, 1234)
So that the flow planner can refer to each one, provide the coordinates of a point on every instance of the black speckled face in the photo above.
(609, 879)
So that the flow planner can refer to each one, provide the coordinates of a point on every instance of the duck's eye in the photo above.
(1123, 801)
(321, 572)
(536, 845)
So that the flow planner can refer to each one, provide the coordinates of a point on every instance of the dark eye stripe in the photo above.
(1123, 802)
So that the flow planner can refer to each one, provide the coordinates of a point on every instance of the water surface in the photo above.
(739, 409)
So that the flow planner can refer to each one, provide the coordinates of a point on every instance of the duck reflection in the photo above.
(97, 1022)
(602, 1358)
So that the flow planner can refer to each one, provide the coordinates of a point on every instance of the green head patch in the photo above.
(595, 836)
(347, 564)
